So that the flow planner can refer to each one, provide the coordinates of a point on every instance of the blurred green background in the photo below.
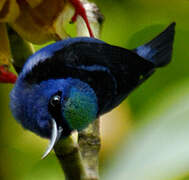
(145, 138)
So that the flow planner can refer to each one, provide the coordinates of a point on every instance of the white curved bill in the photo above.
(55, 136)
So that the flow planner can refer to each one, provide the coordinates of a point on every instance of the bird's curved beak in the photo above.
(55, 136)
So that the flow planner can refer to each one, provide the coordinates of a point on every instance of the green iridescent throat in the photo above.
(80, 109)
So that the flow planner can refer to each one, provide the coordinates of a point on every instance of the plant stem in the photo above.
(89, 143)
(5, 52)
(69, 156)
(78, 154)
(18, 45)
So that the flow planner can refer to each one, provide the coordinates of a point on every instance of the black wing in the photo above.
(112, 72)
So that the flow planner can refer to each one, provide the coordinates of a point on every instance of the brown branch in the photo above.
(89, 143)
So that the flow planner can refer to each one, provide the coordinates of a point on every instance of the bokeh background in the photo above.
(145, 138)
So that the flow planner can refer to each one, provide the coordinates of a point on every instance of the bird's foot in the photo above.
(80, 10)
(7, 76)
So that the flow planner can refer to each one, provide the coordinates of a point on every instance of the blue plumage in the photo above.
(48, 51)
(29, 104)
(159, 50)
(67, 85)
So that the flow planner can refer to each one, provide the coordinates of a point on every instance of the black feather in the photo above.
(159, 50)
(114, 74)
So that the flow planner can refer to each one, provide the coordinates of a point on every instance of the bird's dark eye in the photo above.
(55, 100)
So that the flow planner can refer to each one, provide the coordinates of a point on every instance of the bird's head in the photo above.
(49, 98)
(54, 108)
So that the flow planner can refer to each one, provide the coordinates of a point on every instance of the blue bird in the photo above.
(67, 85)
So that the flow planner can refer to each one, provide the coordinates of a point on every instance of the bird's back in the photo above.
(111, 71)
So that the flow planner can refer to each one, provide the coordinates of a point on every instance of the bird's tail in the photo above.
(159, 50)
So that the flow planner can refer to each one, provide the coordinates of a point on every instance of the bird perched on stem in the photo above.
(67, 85)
